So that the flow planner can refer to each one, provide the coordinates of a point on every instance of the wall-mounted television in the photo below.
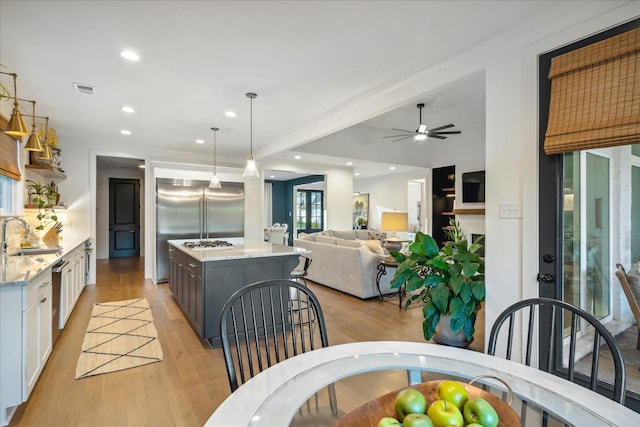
(473, 187)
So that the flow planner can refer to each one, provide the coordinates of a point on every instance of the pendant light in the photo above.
(16, 126)
(251, 171)
(215, 182)
(33, 143)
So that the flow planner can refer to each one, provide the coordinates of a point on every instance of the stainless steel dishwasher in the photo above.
(56, 281)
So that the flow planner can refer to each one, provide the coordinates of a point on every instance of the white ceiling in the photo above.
(305, 59)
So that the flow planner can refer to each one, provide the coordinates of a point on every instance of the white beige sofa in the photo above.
(343, 262)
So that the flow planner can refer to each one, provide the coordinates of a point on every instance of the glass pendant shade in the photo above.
(251, 171)
(215, 182)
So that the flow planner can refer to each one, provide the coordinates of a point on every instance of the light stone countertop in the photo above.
(19, 270)
(241, 249)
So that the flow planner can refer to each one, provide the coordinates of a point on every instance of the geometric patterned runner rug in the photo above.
(120, 335)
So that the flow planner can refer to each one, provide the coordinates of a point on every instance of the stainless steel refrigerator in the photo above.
(189, 209)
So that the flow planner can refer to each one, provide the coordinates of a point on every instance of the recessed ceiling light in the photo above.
(272, 176)
(130, 55)
(128, 109)
(125, 132)
(349, 163)
(392, 168)
(230, 114)
(199, 141)
(297, 157)
(357, 173)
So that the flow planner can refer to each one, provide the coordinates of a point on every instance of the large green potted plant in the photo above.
(450, 282)
(44, 197)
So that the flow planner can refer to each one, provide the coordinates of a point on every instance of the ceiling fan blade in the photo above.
(402, 130)
(442, 127)
(409, 136)
(451, 132)
(437, 136)
(395, 136)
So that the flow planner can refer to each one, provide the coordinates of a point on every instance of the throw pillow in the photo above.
(327, 240)
(349, 243)
(327, 233)
(362, 234)
(374, 246)
(347, 234)
(307, 237)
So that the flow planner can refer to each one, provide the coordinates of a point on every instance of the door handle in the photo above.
(192, 265)
(545, 278)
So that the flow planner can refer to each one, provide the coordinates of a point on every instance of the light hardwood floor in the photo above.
(191, 382)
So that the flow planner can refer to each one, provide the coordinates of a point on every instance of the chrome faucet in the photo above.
(5, 221)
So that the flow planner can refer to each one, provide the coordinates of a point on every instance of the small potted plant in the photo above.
(362, 223)
(44, 197)
(450, 282)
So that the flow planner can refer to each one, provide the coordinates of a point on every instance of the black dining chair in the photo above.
(560, 316)
(266, 322)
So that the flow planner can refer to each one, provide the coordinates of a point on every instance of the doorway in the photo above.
(125, 168)
(415, 206)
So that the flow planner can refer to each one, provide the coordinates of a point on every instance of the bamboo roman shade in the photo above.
(595, 96)
(8, 153)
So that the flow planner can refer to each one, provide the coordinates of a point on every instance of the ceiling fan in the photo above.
(423, 132)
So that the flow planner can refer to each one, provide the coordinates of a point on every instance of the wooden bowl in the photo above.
(368, 414)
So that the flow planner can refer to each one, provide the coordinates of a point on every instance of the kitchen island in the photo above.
(202, 279)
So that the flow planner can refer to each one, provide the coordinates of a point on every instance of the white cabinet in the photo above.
(37, 333)
(72, 283)
(25, 340)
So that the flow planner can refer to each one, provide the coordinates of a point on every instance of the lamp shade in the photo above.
(394, 221)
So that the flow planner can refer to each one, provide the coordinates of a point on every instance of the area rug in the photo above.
(120, 335)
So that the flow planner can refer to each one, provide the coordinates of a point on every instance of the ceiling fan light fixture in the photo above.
(251, 171)
(422, 128)
(420, 137)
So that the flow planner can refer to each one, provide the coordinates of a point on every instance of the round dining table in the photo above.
(273, 398)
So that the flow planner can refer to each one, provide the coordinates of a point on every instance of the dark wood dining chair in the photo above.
(634, 302)
(266, 322)
(560, 316)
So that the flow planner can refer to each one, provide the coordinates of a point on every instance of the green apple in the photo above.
(452, 392)
(445, 414)
(389, 422)
(474, 425)
(417, 420)
(409, 401)
(477, 410)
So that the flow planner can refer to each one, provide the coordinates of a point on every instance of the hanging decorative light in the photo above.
(251, 171)
(33, 143)
(15, 126)
(215, 182)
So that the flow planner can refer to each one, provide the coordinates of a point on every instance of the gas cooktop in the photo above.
(208, 245)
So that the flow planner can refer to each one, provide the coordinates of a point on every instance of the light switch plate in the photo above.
(511, 210)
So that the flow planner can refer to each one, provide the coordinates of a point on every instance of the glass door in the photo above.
(309, 211)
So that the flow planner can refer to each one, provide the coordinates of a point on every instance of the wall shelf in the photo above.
(46, 171)
(468, 211)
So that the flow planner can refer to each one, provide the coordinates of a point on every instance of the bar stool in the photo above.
(298, 274)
